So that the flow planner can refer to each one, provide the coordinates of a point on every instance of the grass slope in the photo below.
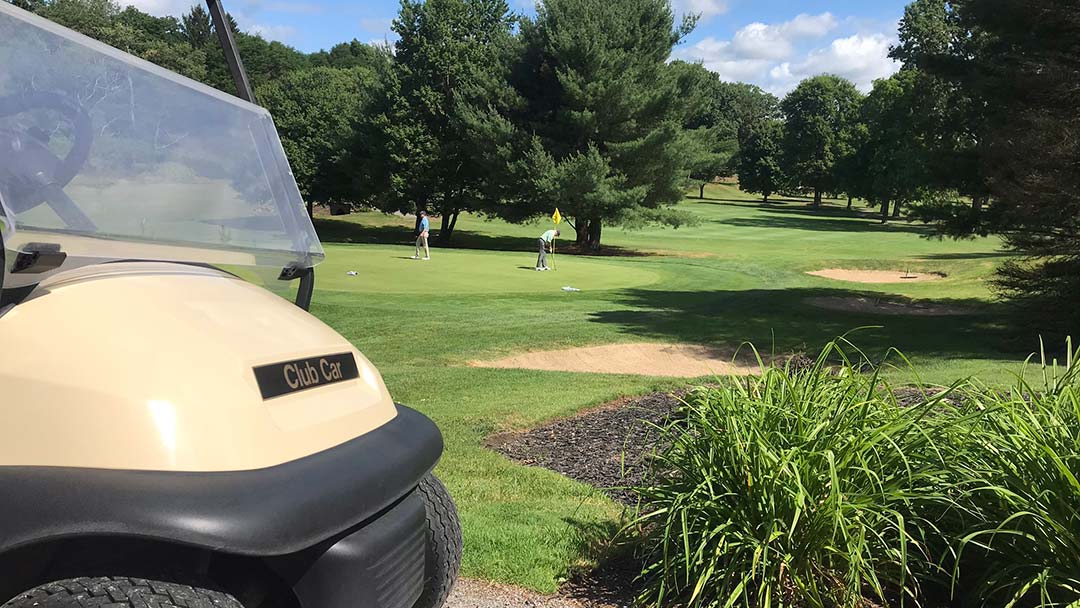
(739, 275)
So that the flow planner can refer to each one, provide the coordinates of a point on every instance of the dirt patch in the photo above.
(884, 306)
(647, 359)
(876, 276)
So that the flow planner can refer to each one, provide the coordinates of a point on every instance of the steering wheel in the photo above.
(30, 174)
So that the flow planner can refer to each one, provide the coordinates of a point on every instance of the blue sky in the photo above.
(771, 43)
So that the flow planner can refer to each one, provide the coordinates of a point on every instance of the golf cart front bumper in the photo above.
(339, 525)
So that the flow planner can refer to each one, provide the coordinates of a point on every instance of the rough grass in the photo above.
(738, 276)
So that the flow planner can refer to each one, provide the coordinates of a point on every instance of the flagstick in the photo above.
(554, 266)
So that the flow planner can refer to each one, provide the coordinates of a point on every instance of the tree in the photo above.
(451, 68)
(354, 54)
(759, 165)
(709, 121)
(954, 124)
(605, 106)
(197, 27)
(316, 112)
(155, 39)
(1012, 63)
(820, 115)
(748, 107)
(895, 163)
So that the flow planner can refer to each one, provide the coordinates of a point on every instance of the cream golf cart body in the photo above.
(165, 416)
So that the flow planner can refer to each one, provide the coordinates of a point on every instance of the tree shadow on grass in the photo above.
(823, 224)
(975, 255)
(332, 230)
(783, 321)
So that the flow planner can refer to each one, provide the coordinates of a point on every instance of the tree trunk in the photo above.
(765, 197)
(977, 203)
(595, 228)
(446, 229)
(582, 230)
(310, 209)
(896, 209)
(849, 202)
(817, 197)
(885, 211)
(702, 195)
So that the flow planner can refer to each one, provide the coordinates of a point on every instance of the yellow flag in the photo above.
(556, 217)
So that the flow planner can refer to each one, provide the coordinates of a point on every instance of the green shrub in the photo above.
(798, 486)
(1021, 463)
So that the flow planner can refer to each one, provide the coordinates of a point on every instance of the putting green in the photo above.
(389, 269)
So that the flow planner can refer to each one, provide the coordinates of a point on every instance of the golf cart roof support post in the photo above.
(232, 54)
(244, 91)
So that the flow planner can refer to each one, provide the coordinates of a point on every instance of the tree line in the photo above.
(977, 134)
(477, 109)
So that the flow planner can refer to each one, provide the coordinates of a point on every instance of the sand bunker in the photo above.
(875, 276)
(672, 360)
(887, 307)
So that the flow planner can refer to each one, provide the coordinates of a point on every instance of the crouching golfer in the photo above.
(545, 243)
(422, 236)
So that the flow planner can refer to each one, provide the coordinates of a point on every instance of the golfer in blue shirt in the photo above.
(421, 237)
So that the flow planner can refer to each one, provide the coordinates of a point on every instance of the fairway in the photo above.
(741, 274)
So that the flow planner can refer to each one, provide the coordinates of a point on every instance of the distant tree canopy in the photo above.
(759, 160)
(821, 115)
(477, 109)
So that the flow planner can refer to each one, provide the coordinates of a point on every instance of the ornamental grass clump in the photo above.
(1020, 463)
(796, 487)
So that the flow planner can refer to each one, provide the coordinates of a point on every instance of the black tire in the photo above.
(119, 592)
(443, 556)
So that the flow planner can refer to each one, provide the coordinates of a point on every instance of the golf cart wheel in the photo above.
(443, 554)
(120, 592)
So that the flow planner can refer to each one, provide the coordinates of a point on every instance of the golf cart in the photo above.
(176, 429)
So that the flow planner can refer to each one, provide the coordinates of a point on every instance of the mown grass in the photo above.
(739, 275)
(817, 487)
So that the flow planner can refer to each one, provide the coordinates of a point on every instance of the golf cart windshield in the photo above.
(106, 157)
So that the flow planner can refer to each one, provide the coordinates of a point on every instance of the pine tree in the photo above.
(605, 105)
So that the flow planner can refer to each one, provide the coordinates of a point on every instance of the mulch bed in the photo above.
(607, 447)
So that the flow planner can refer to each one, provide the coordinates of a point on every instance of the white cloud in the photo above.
(777, 56)
(861, 59)
(761, 41)
(281, 33)
(300, 8)
(706, 8)
(374, 25)
(162, 7)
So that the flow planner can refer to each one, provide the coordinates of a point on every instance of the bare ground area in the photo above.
(645, 359)
(875, 276)
(887, 306)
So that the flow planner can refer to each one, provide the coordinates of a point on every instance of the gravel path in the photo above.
(469, 593)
